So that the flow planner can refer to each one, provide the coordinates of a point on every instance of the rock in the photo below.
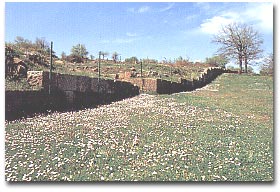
(59, 62)
(19, 67)
(34, 78)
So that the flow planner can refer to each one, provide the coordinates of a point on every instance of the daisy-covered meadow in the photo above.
(222, 132)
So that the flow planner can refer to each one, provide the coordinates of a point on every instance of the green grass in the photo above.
(19, 84)
(109, 69)
(223, 132)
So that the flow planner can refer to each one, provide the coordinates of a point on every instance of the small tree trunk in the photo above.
(246, 65)
(240, 65)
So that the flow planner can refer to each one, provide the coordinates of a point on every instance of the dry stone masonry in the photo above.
(168, 87)
(70, 91)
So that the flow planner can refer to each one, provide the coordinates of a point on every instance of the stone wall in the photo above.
(68, 92)
(74, 83)
(144, 84)
(168, 87)
(66, 82)
(75, 92)
(24, 103)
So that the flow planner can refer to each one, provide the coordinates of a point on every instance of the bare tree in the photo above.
(115, 56)
(24, 44)
(41, 44)
(252, 44)
(267, 67)
(104, 54)
(63, 56)
(239, 41)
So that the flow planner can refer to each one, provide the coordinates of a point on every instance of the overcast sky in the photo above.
(154, 30)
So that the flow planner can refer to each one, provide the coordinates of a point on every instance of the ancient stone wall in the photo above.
(68, 83)
(145, 84)
(23, 103)
(168, 87)
(68, 92)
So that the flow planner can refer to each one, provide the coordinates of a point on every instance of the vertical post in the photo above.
(170, 72)
(51, 62)
(120, 61)
(141, 64)
(99, 73)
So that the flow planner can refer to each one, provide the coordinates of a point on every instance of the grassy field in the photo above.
(222, 132)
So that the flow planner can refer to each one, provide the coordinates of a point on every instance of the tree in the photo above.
(104, 54)
(267, 67)
(74, 58)
(239, 41)
(133, 60)
(153, 61)
(217, 60)
(115, 56)
(41, 44)
(180, 59)
(91, 57)
(63, 56)
(24, 44)
(79, 50)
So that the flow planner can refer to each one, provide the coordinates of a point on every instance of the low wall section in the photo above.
(168, 87)
(68, 92)
(71, 92)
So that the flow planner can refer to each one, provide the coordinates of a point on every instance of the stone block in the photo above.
(67, 82)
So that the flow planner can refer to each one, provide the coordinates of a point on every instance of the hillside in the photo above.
(36, 59)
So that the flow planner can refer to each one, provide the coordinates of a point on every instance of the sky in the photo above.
(141, 29)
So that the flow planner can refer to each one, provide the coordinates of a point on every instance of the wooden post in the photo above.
(51, 62)
(99, 73)
(170, 72)
(141, 63)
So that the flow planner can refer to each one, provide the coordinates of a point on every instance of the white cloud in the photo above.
(142, 9)
(213, 25)
(168, 7)
(260, 15)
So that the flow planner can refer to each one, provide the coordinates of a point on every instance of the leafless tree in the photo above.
(115, 56)
(41, 44)
(267, 67)
(104, 54)
(239, 41)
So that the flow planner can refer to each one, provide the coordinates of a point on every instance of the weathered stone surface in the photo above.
(67, 82)
(35, 78)
(83, 84)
